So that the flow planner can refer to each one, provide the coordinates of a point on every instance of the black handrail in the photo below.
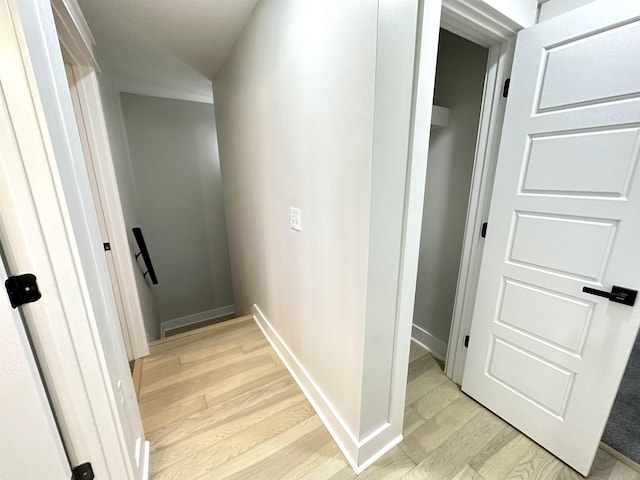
(137, 232)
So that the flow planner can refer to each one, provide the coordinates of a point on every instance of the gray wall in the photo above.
(313, 109)
(178, 195)
(623, 427)
(122, 166)
(459, 84)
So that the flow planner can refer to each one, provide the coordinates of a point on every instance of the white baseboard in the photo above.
(352, 448)
(620, 457)
(433, 344)
(195, 318)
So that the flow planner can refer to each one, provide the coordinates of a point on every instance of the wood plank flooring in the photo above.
(217, 403)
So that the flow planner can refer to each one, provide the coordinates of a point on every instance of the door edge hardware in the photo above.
(622, 295)
(505, 88)
(83, 472)
(22, 289)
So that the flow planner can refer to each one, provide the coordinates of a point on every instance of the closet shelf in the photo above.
(439, 116)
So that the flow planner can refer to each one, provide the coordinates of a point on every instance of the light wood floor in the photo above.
(217, 403)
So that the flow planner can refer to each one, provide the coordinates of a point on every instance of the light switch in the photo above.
(296, 219)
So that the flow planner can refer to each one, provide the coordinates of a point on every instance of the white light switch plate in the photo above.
(296, 219)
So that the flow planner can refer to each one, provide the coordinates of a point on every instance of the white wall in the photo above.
(124, 177)
(522, 12)
(460, 75)
(178, 195)
(553, 8)
(313, 108)
(294, 104)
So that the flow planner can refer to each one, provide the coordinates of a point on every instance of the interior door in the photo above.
(29, 440)
(565, 214)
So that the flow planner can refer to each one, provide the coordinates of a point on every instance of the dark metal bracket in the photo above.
(137, 233)
(83, 472)
(22, 289)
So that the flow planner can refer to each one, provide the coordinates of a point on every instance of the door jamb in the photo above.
(86, 83)
(76, 43)
(486, 155)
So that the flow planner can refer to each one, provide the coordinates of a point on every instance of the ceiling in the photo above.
(165, 45)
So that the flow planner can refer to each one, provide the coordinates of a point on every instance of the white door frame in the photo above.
(486, 155)
(47, 230)
(475, 21)
(123, 278)
(77, 42)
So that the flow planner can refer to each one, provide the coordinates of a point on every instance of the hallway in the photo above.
(321, 127)
(217, 403)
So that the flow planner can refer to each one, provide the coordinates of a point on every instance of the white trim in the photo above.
(552, 8)
(483, 25)
(424, 83)
(86, 83)
(73, 32)
(126, 85)
(620, 456)
(351, 447)
(429, 342)
(195, 318)
(376, 456)
(145, 460)
(138, 450)
(93, 180)
(478, 22)
(486, 157)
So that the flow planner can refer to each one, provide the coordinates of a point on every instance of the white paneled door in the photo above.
(565, 214)
(30, 446)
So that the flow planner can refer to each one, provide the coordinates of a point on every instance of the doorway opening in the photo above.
(460, 78)
(466, 209)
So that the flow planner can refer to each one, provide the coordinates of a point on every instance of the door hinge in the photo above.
(82, 472)
(22, 289)
(107, 246)
(483, 233)
(505, 88)
(466, 341)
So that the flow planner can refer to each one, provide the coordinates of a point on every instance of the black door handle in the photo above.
(622, 295)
